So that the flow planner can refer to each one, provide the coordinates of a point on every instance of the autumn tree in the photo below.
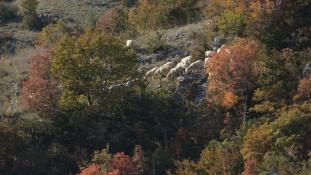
(216, 158)
(92, 69)
(123, 164)
(250, 168)
(230, 16)
(114, 21)
(291, 32)
(116, 164)
(41, 90)
(52, 33)
(279, 78)
(232, 73)
(288, 134)
(220, 158)
(304, 89)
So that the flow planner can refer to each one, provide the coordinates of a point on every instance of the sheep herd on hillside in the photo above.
(172, 70)
(186, 66)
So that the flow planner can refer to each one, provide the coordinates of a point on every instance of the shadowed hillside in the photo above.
(155, 87)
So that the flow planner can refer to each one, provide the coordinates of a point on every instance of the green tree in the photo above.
(293, 29)
(279, 77)
(92, 69)
(287, 136)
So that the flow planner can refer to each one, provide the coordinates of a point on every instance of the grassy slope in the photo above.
(70, 11)
(14, 67)
(12, 71)
(77, 11)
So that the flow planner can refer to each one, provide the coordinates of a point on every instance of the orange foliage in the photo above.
(304, 89)
(232, 70)
(123, 163)
(40, 91)
(229, 100)
(260, 6)
(95, 169)
(250, 167)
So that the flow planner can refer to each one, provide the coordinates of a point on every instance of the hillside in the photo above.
(161, 87)
(16, 50)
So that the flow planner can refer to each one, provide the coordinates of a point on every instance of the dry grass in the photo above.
(143, 37)
(13, 69)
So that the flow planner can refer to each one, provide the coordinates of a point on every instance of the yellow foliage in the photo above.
(229, 100)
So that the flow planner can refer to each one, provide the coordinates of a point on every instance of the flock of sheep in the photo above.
(171, 70)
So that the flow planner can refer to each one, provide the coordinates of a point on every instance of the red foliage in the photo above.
(123, 163)
(250, 168)
(91, 170)
(40, 91)
(232, 70)
(105, 19)
(113, 21)
(95, 169)
(304, 89)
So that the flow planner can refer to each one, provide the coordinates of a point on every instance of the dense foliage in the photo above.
(94, 114)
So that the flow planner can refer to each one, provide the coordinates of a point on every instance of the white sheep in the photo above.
(151, 72)
(218, 50)
(164, 69)
(195, 67)
(176, 71)
(130, 43)
(187, 60)
(116, 86)
(307, 69)
(206, 60)
(208, 53)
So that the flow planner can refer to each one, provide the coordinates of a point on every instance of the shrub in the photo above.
(52, 32)
(103, 158)
(31, 20)
(7, 13)
(113, 21)
(151, 14)
(285, 24)
(40, 91)
(155, 42)
(123, 163)
(232, 23)
(198, 46)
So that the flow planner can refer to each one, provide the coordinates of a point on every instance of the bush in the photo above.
(286, 25)
(152, 14)
(7, 13)
(198, 46)
(155, 42)
(232, 23)
(113, 21)
(52, 32)
(31, 20)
